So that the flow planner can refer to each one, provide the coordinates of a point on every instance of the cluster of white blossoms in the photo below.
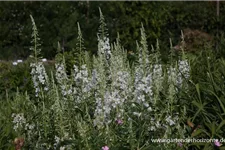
(93, 81)
(184, 71)
(172, 74)
(62, 79)
(144, 95)
(81, 82)
(169, 121)
(154, 124)
(113, 99)
(20, 123)
(104, 47)
(120, 92)
(145, 84)
(177, 75)
(172, 120)
(102, 111)
(81, 76)
(143, 87)
(18, 120)
(121, 81)
(39, 77)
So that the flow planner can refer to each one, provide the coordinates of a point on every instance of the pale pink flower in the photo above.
(217, 143)
(119, 121)
(105, 148)
(180, 144)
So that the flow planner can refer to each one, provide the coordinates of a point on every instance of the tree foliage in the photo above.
(57, 22)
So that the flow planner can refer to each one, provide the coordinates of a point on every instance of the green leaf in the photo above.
(208, 146)
(220, 125)
(197, 132)
(198, 90)
(213, 128)
(221, 104)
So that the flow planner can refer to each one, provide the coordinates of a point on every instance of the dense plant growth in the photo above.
(57, 22)
(106, 102)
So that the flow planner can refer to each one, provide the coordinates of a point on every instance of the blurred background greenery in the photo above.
(57, 22)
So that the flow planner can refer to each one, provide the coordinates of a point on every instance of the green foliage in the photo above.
(12, 77)
(207, 107)
(57, 21)
(105, 101)
(129, 27)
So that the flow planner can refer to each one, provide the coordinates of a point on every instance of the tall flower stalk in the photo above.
(39, 75)
(80, 49)
(36, 50)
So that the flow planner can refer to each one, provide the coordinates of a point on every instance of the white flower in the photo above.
(149, 109)
(137, 114)
(141, 98)
(57, 139)
(19, 61)
(44, 60)
(152, 128)
(62, 148)
(146, 104)
(29, 126)
(14, 63)
(170, 121)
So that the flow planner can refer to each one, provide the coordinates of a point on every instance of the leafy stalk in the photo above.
(36, 50)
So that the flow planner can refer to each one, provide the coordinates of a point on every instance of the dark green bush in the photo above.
(13, 77)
